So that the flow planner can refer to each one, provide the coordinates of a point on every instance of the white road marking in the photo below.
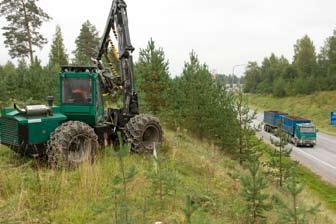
(317, 159)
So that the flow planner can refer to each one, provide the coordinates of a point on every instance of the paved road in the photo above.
(321, 159)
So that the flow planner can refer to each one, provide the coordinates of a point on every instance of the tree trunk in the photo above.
(30, 44)
(295, 211)
(280, 164)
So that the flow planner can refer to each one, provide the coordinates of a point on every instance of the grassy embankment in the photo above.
(31, 193)
(316, 107)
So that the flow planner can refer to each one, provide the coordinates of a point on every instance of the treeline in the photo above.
(29, 81)
(32, 81)
(27, 84)
(193, 100)
(308, 72)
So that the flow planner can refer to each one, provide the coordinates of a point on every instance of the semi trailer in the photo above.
(301, 131)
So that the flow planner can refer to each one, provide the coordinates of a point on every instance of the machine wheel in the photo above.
(142, 132)
(72, 143)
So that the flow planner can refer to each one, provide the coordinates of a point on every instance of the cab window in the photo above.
(307, 130)
(77, 91)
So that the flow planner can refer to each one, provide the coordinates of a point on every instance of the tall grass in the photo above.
(32, 193)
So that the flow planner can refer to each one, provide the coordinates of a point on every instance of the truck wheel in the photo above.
(72, 143)
(142, 132)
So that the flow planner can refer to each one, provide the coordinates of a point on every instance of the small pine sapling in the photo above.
(252, 192)
(278, 164)
(190, 208)
(162, 176)
(296, 212)
(120, 182)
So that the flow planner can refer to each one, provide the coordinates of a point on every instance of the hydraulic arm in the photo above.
(113, 80)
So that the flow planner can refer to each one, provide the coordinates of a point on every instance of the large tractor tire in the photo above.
(72, 143)
(143, 132)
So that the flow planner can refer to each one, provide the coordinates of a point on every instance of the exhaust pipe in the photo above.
(21, 111)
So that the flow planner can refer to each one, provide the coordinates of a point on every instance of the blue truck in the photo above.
(272, 120)
(301, 131)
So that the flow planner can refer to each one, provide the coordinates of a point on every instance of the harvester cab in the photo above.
(80, 95)
(71, 133)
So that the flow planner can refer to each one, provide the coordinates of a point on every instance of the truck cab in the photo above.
(305, 134)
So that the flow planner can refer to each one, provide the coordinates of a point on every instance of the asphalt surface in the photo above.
(321, 159)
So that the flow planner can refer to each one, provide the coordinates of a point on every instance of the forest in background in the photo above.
(192, 102)
(307, 73)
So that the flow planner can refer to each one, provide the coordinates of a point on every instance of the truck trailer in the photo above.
(272, 120)
(301, 131)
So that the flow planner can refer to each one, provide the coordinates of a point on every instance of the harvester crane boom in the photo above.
(117, 22)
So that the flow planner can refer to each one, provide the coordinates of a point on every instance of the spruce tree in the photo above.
(152, 70)
(86, 44)
(58, 55)
(24, 20)
(252, 192)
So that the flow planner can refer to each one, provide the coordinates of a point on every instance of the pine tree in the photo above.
(246, 118)
(86, 44)
(190, 208)
(196, 96)
(295, 212)
(58, 55)
(277, 162)
(120, 184)
(253, 187)
(152, 70)
(200, 103)
(24, 20)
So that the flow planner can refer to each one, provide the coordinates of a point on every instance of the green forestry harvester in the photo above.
(70, 133)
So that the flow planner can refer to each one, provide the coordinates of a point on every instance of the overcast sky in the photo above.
(222, 32)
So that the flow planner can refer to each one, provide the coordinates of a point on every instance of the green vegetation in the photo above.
(152, 78)
(86, 44)
(58, 55)
(278, 164)
(296, 212)
(193, 177)
(315, 185)
(308, 73)
(27, 84)
(253, 187)
(24, 20)
(31, 193)
(316, 107)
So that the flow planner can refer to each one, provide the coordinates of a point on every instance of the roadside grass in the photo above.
(316, 189)
(33, 193)
(316, 107)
